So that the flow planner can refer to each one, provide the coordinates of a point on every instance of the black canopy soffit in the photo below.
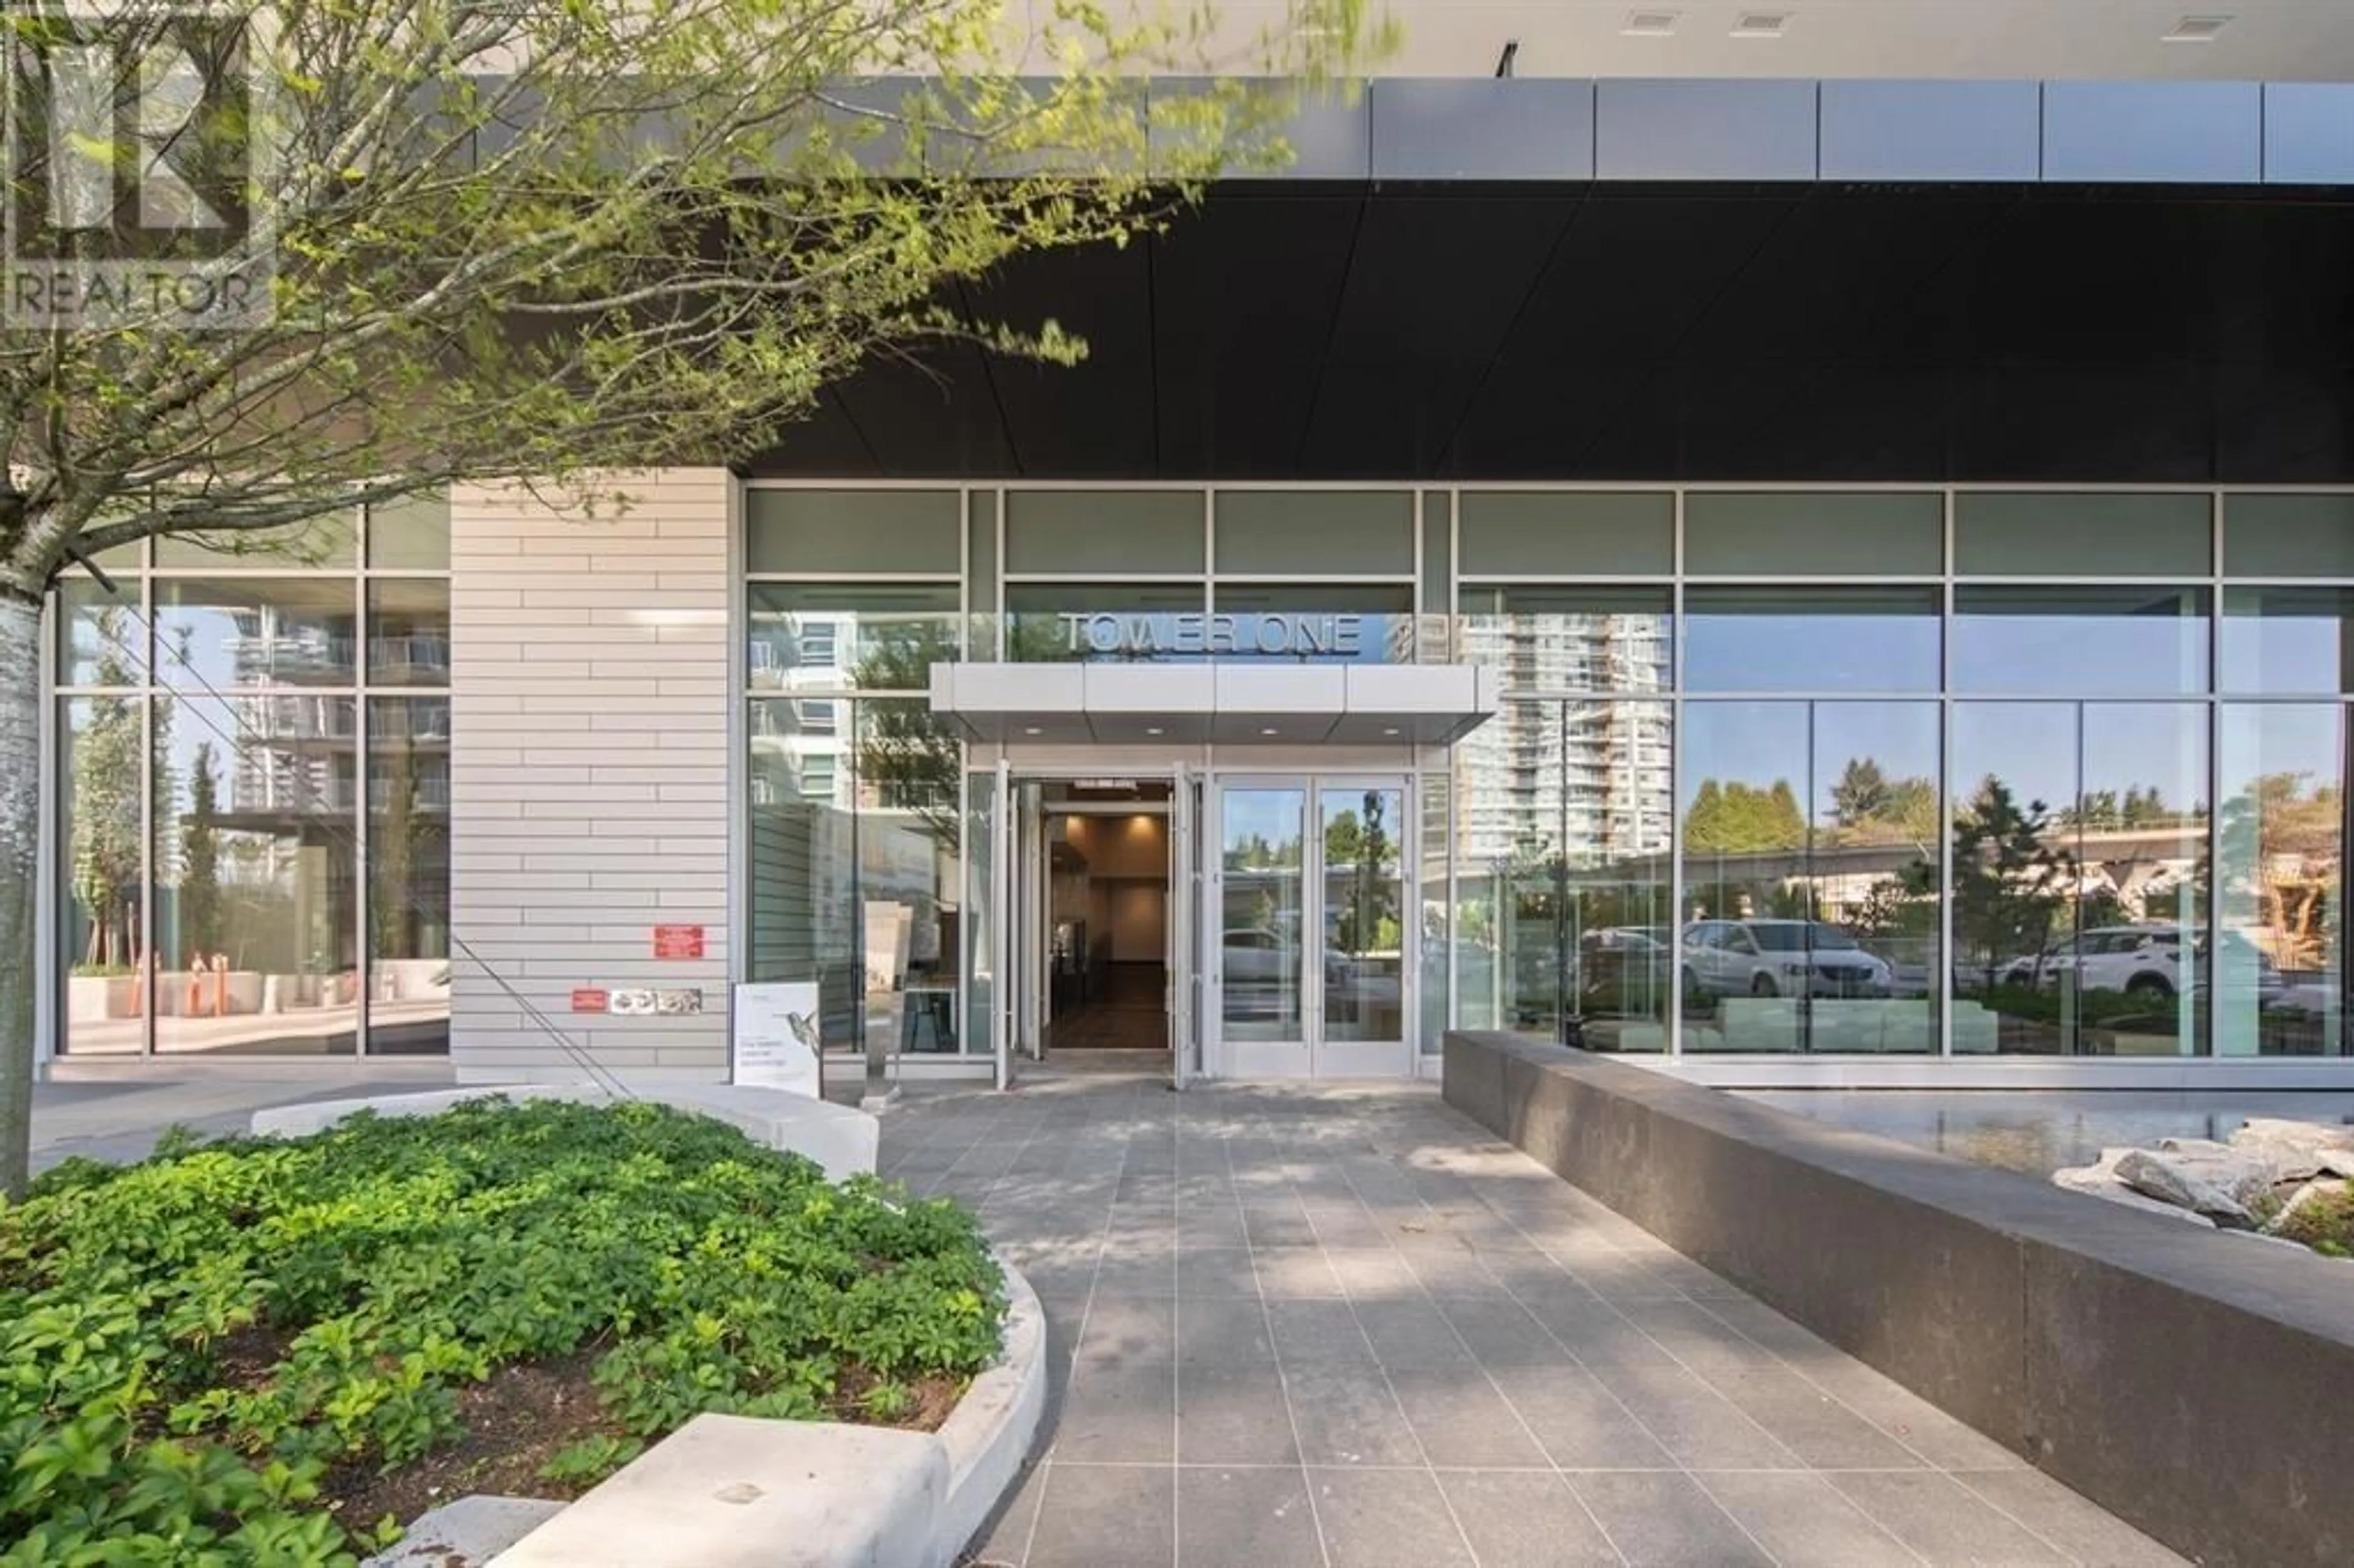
(1792, 333)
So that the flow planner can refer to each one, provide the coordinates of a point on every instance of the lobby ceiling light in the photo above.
(1271, 730)
(1649, 24)
(1033, 729)
(2196, 30)
(1761, 23)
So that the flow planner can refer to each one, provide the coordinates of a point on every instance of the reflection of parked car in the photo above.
(1622, 968)
(2141, 960)
(1778, 957)
(1256, 956)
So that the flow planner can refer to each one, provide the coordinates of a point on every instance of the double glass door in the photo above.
(1308, 903)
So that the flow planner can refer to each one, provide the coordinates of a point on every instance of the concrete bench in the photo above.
(2196, 1383)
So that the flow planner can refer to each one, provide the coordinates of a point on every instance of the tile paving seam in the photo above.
(1516, 1227)
(1762, 1351)
(1047, 1459)
(1770, 1357)
(1290, 1414)
(1571, 1471)
(1358, 1318)
(1271, 1169)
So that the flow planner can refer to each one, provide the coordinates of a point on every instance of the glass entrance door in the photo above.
(1184, 929)
(1310, 914)
(1363, 912)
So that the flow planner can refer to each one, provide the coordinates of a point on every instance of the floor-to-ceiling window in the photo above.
(1978, 772)
(1878, 770)
(1808, 777)
(857, 802)
(253, 796)
(1565, 922)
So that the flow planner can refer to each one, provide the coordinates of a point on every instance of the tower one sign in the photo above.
(1144, 636)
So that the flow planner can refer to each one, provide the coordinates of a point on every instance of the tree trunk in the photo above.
(20, 857)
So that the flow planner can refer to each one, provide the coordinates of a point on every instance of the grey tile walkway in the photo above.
(1341, 1326)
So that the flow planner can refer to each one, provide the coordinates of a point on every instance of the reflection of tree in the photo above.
(1870, 808)
(2108, 811)
(1344, 838)
(394, 839)
(1252, 852)
(2010, 886)
(1896, 906)
(1737, 818)
(1371, 920)
(1038, 637)
(2281, 839)
(106, 816)
(200, 892)
(904, 754)
(1862, 794)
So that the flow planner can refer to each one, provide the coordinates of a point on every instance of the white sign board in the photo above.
(776, 1042)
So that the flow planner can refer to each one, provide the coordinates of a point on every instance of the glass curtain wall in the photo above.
(2004, 796)
(1857, 771)
(1564, 913)
(859, 813)
(254, 795)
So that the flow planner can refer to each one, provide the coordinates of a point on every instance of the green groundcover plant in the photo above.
(194, 1351)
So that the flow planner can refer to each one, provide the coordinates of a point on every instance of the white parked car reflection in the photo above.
(1778, 958)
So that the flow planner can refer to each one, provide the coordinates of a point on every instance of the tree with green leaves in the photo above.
(2012, 883)
(104, 837)
(1740, 819)
(1861, 793)
(200, 892)
(552, 243)
(393, 832)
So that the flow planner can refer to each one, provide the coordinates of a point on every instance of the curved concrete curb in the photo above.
(465, 1533)
(727, 1491)
(842, 1140)
(988, 1434)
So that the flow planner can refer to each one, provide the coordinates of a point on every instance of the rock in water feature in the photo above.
(2170, 1181)
(2101, 1181)
(2270, 1171)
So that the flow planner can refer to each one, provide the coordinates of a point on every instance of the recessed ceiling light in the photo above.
(1649, 24)
(1760, 23)
(1271, 730)
(1032, 729)
(1391, 730)
(1152, 729)
(2196, 30)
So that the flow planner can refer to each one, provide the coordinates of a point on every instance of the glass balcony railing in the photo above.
(412, 657)
(429, 794)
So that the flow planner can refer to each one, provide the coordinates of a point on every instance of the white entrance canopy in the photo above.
(1227, 704)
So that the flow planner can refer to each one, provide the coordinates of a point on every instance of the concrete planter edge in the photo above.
(727, 1491)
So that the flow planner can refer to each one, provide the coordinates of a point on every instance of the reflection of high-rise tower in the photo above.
(1588, 777)
(297, 751)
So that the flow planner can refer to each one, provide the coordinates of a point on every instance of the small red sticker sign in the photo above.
(587, 1000)
(678, 941)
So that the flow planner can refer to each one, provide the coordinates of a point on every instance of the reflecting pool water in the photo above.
(2041, 1131)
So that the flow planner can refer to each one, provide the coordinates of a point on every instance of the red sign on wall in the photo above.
(589, 999)
(678, 941)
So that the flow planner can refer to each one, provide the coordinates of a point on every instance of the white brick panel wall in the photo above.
(588, 774)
